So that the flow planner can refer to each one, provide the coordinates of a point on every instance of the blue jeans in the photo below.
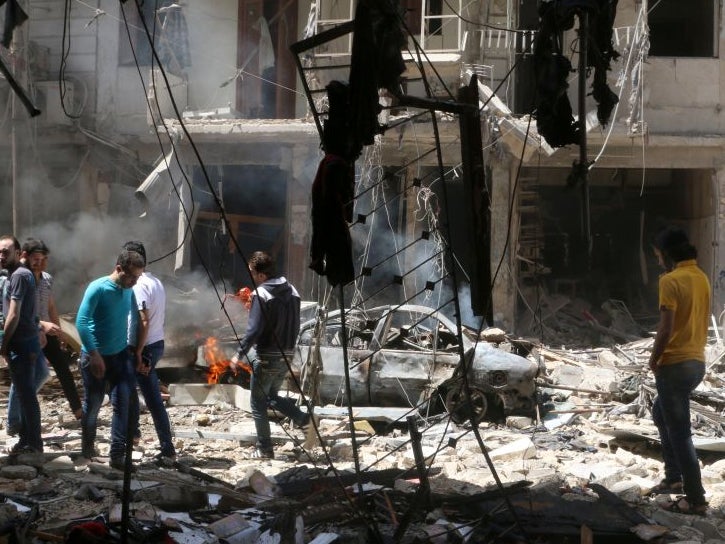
(23, 364)
(42, 373)
(267, 377)
(121, 380)
(671, 414)
(151, 391)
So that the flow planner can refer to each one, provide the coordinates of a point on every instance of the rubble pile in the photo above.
(585, 465)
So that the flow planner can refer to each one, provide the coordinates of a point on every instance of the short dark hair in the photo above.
(263, 263)
(31, 245)
(130, 259)
(673, 242)
(135, 245)
(11, 237)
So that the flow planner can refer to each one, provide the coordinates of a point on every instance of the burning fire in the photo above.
(245, 296)
(217, 361)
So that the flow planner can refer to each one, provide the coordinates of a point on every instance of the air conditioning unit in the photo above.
(47, 100)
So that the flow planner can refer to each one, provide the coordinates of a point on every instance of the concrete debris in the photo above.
(586, 460)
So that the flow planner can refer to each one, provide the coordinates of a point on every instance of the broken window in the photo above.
(434, 24)
(265, 30)
(676, 31)
(418, 331)
(166, 22)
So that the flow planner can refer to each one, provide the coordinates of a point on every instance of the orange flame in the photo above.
(245, 296)
(217, 361)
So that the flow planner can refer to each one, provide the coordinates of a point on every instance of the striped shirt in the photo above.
(43, 290)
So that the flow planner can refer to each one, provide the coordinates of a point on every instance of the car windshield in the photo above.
(421, 331)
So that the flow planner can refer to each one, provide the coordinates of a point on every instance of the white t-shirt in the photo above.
(150, 296)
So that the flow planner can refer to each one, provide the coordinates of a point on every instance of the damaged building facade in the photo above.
(226, 125)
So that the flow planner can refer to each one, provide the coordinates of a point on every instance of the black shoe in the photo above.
(304, 422)
(666, 487)
(165, 460)
(20, 449)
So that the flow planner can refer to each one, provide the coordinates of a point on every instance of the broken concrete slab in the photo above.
(370, 413)
(236, 528)
(523, 448)
(195, 394)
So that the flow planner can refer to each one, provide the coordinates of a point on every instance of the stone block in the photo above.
(624, 457)
(606, 474)
(18, 472)
(519, 422)
(627, 490)
(60, 464)
(710, 476)
(523, 448)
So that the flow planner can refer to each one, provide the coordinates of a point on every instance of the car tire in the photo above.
(460, 410)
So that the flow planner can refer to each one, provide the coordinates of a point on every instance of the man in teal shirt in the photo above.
(102, 322)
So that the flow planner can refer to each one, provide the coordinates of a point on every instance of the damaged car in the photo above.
(409, 356)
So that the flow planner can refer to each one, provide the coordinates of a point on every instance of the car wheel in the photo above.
(460, 410)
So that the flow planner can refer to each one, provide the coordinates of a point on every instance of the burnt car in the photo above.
(409, 356)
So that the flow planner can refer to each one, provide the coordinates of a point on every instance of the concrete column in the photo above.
(504, 286)
(718, 280)
(301, 167)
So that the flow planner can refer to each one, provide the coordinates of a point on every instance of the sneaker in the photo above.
(260, 453)
(12, 431)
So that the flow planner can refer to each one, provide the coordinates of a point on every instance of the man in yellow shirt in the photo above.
(678, 363)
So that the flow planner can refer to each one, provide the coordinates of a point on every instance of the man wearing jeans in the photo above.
(35, 257)
(273, 325)
(148, 349)
(21, 343)
(107, 307)
(678, 363)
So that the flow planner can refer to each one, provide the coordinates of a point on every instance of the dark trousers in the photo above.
(149, 386)
(120, 378)
(24, 355)
(671, 414)
(267, 377)
(60, 360)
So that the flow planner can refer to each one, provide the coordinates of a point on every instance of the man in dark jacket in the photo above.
(273, 325)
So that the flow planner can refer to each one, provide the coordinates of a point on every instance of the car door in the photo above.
(412, 357)
(322, 351)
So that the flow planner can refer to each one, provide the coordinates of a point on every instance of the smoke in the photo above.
(82, 250)
(87, 247)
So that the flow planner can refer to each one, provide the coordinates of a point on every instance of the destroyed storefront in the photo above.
(608, 290)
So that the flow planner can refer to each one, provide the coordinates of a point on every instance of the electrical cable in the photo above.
(218, 204)
(64, 53)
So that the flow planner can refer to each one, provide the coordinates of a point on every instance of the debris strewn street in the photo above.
(594, 444)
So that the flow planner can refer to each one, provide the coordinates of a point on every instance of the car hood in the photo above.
(487, 357)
